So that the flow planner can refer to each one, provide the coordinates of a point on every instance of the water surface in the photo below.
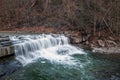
(51, 57)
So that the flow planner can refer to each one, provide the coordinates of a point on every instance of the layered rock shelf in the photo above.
(6, 51)
(105, 44)
(6, 47)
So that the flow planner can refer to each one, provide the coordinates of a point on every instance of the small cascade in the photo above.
(53, 47)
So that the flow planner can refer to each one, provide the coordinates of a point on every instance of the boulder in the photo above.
(75, 40)
(67, 33)
(101, 43)
(92, 45)
(6, 43)
(87, 43)
(111, 42)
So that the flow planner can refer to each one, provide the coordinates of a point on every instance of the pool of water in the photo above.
(52, 57)
(86, 67)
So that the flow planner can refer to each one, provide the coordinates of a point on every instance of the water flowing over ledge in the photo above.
(53, 47)
(52, 57)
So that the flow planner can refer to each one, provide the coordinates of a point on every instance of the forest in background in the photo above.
(85, 15)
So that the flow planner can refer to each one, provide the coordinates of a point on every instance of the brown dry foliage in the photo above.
(87, 15)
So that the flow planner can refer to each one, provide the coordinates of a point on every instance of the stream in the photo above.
(52, 57)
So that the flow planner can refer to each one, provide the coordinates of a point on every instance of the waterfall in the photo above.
(53, 47)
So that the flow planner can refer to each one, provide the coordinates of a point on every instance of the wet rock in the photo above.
(1, 71)
(54, 35)
(6, 38)
(115, 50)
(5, 51)
(112, 54)
(62, 52)
(2, 74)
(9, 68)
(73, 36)
(6, 43)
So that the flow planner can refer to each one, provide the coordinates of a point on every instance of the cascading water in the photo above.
(53, 47)
(53, 58)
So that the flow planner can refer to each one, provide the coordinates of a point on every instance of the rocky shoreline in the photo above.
(107, 49)
(104, 45)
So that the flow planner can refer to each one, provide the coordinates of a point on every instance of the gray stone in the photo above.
(5, 51)
(1, 71)
(4, 38)
(75, 40)
(107, 50)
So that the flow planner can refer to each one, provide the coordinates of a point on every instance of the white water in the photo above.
(53, 47)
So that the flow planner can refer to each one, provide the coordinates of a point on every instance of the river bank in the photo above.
(75, 38)
(103, 42)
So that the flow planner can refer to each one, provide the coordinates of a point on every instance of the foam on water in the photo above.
(53, 47)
